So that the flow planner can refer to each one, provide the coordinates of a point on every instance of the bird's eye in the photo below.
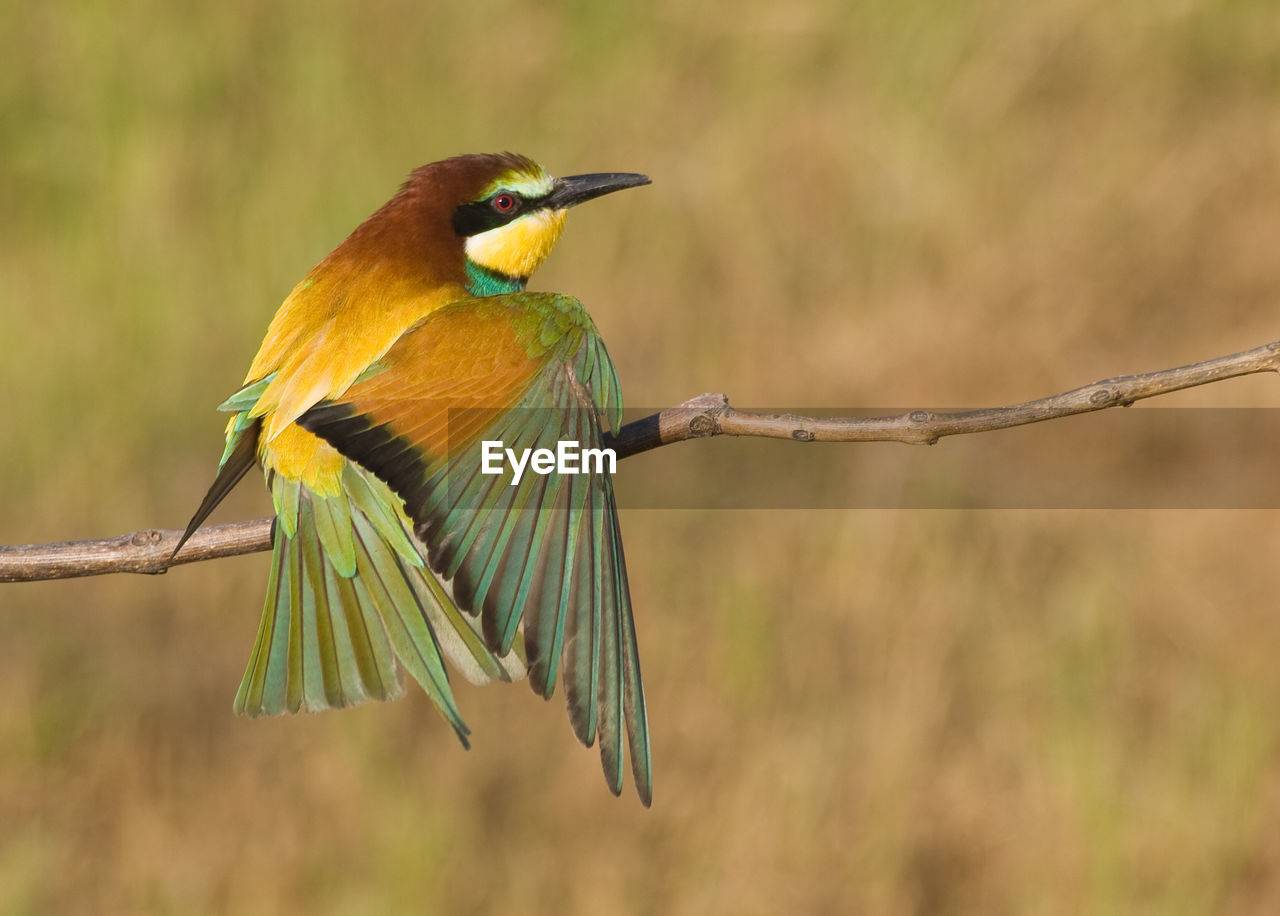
(504, 202)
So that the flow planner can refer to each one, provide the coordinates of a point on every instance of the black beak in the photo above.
(574, 189)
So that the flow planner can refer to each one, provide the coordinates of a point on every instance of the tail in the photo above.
(350, 601)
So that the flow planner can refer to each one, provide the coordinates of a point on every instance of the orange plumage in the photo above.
(411, 338)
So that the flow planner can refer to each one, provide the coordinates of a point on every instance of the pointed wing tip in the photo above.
(539, 683)
(196, 521)
(461, 729)
(612, 765)
(644, 788)
(235, 464)
(583, 728)
(182, 541)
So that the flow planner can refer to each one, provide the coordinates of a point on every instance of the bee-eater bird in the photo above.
(405, 348)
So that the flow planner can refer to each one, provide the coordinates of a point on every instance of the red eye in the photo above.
(504, 203)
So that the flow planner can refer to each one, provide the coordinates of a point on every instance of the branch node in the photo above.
(146, 537)
(703, 425)
(803, 435)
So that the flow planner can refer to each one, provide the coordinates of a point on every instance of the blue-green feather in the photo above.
(545, 554)
(481, 281)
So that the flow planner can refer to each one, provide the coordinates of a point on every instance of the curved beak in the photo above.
(574, 189)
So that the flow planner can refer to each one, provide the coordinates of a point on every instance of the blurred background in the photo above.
(875, 203)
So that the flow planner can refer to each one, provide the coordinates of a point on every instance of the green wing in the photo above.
(542, 558)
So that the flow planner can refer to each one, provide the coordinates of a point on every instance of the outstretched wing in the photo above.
(544, 554)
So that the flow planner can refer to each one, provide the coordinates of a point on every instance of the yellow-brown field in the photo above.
(885, 203)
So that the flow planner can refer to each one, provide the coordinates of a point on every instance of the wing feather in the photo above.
(542, 558)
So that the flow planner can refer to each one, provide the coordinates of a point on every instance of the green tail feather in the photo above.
(349, 598)
(321, 643)
(349, 602)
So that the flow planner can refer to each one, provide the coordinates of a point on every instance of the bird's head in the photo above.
(504, 212)
(513, 213)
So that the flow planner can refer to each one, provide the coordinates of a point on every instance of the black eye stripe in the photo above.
(476, 217)
(481, 215)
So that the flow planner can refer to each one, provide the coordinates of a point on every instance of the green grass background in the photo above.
(905, 203)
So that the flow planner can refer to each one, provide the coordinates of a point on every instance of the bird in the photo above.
(382, 376)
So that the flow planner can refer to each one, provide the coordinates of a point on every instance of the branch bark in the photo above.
(148, 550)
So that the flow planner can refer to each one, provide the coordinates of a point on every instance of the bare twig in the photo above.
(711, 415)
(147, 551)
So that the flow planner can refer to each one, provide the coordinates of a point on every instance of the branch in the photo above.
(711, 415)
(147, 551)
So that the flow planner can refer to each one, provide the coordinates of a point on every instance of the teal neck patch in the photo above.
(481, 281)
